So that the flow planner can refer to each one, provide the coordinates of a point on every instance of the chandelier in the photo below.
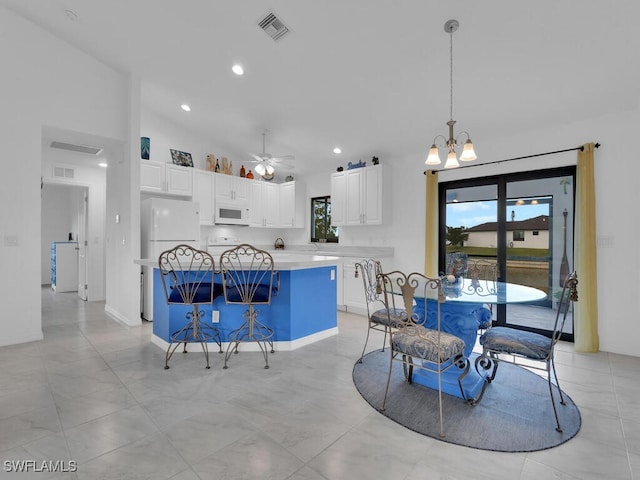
(451, 143)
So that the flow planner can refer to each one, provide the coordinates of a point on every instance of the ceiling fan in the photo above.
(266, 162)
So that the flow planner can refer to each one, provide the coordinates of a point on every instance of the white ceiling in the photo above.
(371, 76)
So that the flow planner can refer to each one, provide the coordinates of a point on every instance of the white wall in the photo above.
(45, 82)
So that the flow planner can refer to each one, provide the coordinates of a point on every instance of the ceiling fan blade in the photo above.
(258, 158)
(278, 158)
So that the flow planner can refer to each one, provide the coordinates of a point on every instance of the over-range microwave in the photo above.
(229, 214)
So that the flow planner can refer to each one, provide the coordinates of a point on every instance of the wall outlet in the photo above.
(215, 316)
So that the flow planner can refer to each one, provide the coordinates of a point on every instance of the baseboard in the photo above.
(281, 346)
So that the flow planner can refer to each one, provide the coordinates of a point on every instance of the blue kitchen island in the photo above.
(302, 311)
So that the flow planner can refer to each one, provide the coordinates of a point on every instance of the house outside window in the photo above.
(321, 229)
(518, 236)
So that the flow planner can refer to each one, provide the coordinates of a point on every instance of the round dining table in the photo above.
(465, 308)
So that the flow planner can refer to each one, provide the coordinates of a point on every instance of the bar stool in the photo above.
(248, 279)
(187, 279)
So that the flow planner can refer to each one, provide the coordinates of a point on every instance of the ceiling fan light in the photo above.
(468, 152)
(260, 170)
(452, 161)
(434, 156)
(270, 169)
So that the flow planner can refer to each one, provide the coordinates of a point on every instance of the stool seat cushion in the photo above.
(516, 342)
(239, 294)
(421, 342)
(202, 292)
(395, 315)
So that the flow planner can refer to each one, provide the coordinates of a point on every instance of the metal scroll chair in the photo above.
(434, 350)
(506, 344)
(187, 279)
(378, 316)
(248, 279)
(456, 264)
(484, 277)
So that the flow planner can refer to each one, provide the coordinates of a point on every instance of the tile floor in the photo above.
(94, 391)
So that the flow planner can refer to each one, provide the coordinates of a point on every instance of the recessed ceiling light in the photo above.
(185, 107)
(337, 150)
(103, 164)
(237, 69)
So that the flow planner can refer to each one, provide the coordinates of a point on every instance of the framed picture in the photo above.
(181, 158)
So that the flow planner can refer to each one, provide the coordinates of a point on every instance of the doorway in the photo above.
(524, 223)
(64, 219)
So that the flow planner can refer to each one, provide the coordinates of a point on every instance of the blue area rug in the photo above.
(515, 414)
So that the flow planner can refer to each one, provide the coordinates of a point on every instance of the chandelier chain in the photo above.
(451, 74)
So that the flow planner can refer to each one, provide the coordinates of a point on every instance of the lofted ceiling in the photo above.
(370, 76)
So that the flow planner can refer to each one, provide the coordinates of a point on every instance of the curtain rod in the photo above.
(581, 148)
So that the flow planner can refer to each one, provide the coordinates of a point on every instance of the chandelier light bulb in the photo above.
(468, 154)
(434, 156)
(270, 169)
(260, 170)
(452, 160)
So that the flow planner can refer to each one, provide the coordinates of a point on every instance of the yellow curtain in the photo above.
(431, 225)
(586, 308)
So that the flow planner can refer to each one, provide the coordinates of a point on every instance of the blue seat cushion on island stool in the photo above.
(396, 315)
(202, 294)
(519, 342)
(235, 294)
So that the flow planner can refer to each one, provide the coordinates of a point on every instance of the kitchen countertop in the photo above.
(281, 260)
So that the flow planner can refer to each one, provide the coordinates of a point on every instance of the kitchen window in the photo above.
(321, 229)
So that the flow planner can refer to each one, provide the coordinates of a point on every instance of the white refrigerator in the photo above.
(165, 223)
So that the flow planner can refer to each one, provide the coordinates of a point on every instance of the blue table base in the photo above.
(473, 384)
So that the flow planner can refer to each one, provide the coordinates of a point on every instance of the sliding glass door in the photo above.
(524, 223)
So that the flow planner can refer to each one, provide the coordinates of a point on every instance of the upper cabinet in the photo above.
(166, 178)
(263, 210)
(356, 196)
(276, 205)
(203, 193)
(292, 197)
(231, 189)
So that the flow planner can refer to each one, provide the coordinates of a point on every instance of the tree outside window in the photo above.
(321, 229)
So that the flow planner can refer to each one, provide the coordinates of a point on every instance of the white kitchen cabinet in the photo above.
(166, 178)
(232, 190)
(338, 199)
(353, 289)
(356, 196)
(291, 205)
(264, 205)
(204, 194)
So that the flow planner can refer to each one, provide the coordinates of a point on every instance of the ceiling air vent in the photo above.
(89, 150)
(273, 26)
